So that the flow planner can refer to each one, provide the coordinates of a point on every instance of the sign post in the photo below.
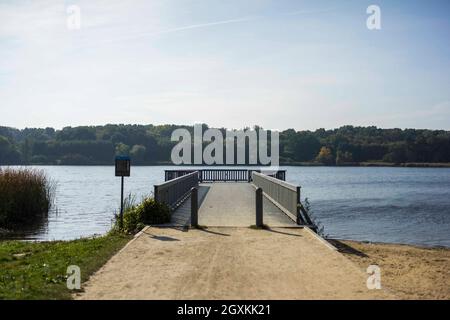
(122, 165)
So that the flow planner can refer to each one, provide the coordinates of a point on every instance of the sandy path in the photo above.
(228, 263)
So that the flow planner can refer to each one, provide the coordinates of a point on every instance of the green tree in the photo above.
(138, 153)
(122, 149)
(343, 157)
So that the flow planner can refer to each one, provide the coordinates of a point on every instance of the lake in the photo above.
(398, 205)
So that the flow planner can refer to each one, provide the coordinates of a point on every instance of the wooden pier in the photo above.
(228, 198)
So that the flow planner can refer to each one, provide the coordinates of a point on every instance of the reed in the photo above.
(26, 196)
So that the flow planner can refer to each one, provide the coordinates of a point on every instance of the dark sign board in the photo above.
(123, 166)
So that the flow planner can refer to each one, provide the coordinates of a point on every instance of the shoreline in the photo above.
(367, 242)
(4, 237)
(287, 164)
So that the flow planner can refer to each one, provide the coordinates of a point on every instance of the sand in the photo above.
(229, 263)
(408, 272)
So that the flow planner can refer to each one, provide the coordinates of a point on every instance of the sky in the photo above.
(275, 63)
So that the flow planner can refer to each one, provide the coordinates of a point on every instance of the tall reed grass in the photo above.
(26, 195)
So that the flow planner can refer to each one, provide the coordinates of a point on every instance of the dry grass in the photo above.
(25, 196)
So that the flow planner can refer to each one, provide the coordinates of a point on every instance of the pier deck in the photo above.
(229, 204)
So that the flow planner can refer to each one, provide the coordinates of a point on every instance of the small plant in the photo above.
(26, 196)
(148, 212)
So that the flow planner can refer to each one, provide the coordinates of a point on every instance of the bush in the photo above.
(154, 212)
(147, 212)
(26, 195)
(132, 221)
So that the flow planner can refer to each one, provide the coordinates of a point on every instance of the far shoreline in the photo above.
(288, 164)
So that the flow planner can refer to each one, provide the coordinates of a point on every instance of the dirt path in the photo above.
(228, 263)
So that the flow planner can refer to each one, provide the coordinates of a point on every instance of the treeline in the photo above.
(149, 144)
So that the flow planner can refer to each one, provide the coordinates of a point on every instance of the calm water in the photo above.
(401, 205)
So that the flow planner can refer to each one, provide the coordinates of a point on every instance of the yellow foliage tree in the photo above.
(325, 156)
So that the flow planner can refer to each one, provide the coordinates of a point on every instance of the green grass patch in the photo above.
(37, 270)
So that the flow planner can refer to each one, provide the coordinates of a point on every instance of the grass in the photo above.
(37, 270)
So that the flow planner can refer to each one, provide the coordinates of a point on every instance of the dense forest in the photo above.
(150, 144)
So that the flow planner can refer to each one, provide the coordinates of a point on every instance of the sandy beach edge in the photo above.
(408, 271)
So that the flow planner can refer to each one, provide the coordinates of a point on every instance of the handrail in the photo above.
(211, 175)
(284, 195)
(174, 191)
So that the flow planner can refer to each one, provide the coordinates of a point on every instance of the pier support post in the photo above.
(259, 207)
(194, 207)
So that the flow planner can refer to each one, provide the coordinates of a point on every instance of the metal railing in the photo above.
(285, 196)
(236, 175)
(174, 191)
(211, 175)
(279, 174)
(173, 174)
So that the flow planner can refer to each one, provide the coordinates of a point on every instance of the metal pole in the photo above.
(194, 207)
(259, 208)
(121, 205)
(299, 217)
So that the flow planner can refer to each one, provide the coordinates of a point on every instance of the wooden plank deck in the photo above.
(228, 204)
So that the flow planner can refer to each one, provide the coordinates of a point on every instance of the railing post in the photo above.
(299, 217)
(259, 207)
(194, 207)
(155, 194)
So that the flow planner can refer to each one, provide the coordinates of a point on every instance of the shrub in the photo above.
(148, 211)
(154, 212)
(26, 195)
(132, 221)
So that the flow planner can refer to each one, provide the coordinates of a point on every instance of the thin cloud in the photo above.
(183, 28)
(215, 23)
(306, 12)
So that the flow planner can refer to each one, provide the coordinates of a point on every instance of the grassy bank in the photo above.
(409, 272)
(37, 270)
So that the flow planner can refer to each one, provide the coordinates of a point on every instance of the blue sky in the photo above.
(279, 64)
